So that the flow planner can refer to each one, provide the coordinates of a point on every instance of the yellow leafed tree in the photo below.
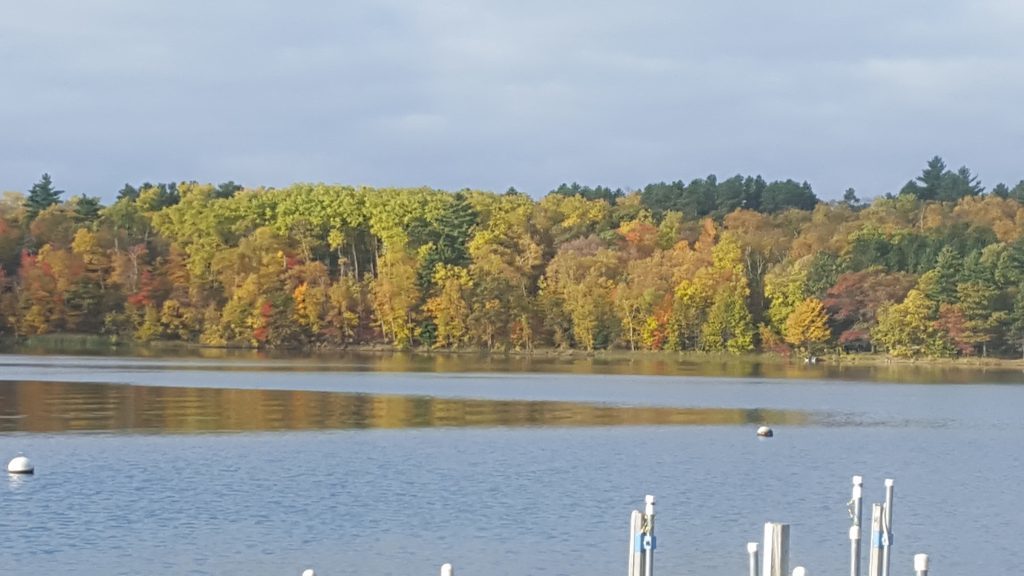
(807, 326)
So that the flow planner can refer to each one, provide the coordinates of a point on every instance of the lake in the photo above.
(393, 464)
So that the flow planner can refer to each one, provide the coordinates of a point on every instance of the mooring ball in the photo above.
(765, 432)
(20, 465)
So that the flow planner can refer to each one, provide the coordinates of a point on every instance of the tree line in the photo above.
(735, 265)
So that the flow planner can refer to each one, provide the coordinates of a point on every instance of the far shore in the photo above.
(96, 344)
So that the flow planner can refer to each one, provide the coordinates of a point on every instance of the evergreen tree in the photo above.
(86, 208)
(946, 274)
(41, 196)
(1017, 318)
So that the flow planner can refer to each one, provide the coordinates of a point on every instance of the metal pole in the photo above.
(649, 535)
(875, 556)
(856, 514)
(447, 570)
(887, 528)
(752, 551)
(921, 564)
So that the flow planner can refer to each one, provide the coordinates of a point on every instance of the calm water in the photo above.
(351, 466)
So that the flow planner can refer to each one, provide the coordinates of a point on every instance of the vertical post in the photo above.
(635, 545)
(649, 541)
(921, 564)
(752, 552)
(447, 570)
(875, 556)
(887, 528)
(856, 515)
(776, 550)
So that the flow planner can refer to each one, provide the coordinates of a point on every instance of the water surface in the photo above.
(184, 466)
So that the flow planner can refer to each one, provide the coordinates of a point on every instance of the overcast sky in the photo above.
(525, 93)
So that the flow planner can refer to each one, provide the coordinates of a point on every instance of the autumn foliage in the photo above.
(732, 266)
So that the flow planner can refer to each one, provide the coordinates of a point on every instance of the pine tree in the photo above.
(41, 196)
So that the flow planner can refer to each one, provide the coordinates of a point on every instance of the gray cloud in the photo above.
(487, 94)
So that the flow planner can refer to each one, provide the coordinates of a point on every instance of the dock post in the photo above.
(875, 556)
(856, 515)
(887, 528)
(799, 571)
(752, 552)
(648, 538)
(447, 570)
(776, 550)
(636, 523)
(921, 564)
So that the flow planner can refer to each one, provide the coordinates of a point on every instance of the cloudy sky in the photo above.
(490, 94)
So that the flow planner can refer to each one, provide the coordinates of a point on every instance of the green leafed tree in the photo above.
(907, 330)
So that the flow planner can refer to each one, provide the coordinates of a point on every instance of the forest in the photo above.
(935, 269)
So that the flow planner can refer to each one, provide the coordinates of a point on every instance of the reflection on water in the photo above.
(76, 406)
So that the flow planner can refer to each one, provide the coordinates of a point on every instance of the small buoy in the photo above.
(765, 432)
(308, 572)
(20, 465)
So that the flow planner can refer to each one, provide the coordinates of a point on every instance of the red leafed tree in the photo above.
(854, 300)
(953, 323)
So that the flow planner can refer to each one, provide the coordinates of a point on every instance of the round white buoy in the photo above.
(765, 432)
(308, 572)
(20, 465)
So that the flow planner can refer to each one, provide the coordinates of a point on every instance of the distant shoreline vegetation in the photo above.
(732, 266)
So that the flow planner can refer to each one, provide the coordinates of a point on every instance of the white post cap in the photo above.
(889, 482)
(308, 572)
(752, 547)
(799, 571)
(920, 562)
(858, 480)
(446, 570)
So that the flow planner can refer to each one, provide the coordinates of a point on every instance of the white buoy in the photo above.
(765, 432)
(308, 572)
(20, 465)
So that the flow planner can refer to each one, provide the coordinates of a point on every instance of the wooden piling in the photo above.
(635, 558)
(921, 564)
(776, 550)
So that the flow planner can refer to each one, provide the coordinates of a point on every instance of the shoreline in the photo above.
(97, 344)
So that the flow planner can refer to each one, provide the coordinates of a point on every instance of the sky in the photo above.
(487, 94)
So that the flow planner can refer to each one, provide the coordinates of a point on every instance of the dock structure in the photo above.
(773, 559)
